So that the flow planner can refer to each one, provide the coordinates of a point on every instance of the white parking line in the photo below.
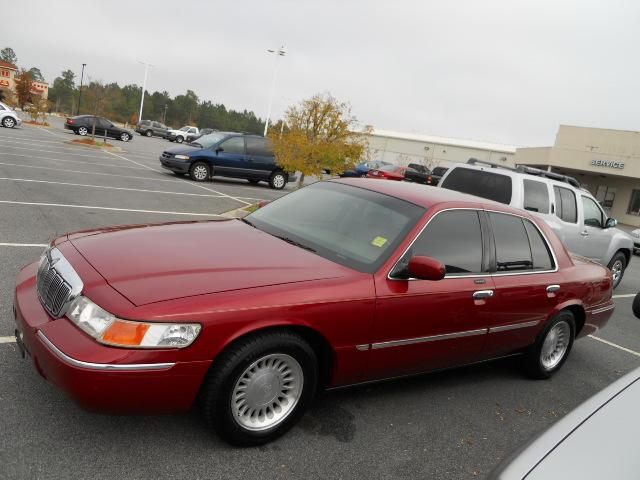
(615, 345)
(57, 152)
(7, 339)
(43, 245)
(91, 207)
(83, 162)
(118, 188)
(624, 295)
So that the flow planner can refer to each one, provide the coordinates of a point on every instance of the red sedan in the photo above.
(388, 172)
(338, 283)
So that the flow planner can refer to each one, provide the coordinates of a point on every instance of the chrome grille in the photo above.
(57, 283)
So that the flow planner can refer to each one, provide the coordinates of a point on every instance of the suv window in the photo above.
(492, 186)
(566, 208)
(156, 125)
(536, 196)
(258, 147)
(541, 256)
(592, 214)
(2, 107)
(512, 243)
(454, 238)
(233, 145)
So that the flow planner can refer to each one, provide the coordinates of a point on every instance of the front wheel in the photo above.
(199, 171)
(277, 180)
(260, 388)
(617, 265)
(636, 305)
(125, 137)
(551, 349)
(8, 122)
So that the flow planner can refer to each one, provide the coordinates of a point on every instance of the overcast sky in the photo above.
(503, 71)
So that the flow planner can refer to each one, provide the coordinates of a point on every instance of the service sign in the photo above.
(607, 163)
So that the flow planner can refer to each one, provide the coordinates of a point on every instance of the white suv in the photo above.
(572, 212)
(8, 118)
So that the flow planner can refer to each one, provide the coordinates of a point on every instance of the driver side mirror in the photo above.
(610, 223)
(218, 150)
(426, 268)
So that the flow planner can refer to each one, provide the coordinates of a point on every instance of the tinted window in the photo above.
(542, 258)
(512, 244)
(592, 214)
(258, 147)
(233, 145)
(454, 238)
(418, 168)
(2, 107)
(565, 204)
(492, 186)
(440, 170)
(536, 196)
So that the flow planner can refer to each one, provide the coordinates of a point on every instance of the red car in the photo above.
(388, 172)
(335, 284)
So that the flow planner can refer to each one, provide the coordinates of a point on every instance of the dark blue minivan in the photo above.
(227, 154)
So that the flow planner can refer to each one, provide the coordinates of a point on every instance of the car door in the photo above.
(595, 238)
(526, 283)
(565, 208)
(229, 158)
(260, 159)
(423, 325)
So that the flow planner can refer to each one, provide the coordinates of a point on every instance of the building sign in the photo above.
(607, 163)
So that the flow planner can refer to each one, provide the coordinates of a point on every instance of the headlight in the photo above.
(182, 157)
(110, 330)
(636, 233)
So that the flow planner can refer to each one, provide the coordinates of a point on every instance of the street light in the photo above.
(80, 91)
(277, 53)
(144, 86)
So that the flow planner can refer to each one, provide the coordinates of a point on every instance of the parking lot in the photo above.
(455, 424)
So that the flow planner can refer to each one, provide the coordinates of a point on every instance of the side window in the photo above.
(157, 125)
(492, 186)
(233, 145)
(536, 196)
(454, 238)
(540, 252)
(512, 243)
(2, 107)
(566, 208)
(258, 147)
(592, 214)
(103, 123)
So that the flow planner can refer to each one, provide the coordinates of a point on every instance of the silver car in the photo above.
(573, 213)
(8, 118)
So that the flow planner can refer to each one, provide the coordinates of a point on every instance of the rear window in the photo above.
(566, 208)
(536, 196)
(492, 186)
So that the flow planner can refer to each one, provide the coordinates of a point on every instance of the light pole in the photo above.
(80, 91)
(277, 53)
(164, 114)
(144, 86)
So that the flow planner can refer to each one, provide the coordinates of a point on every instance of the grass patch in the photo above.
(251, 208)
(39, 124)
(95, 143)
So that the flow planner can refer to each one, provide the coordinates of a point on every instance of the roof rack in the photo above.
(531, 171)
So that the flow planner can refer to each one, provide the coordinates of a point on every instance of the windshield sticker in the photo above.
(379, 241)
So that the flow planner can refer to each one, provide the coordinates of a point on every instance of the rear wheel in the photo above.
(260, 388)
(199, 171)
(277, 180)
(179, 139)
(148, 133)
(551, 349)
(8, 122)
(617, 265)
(82, 131)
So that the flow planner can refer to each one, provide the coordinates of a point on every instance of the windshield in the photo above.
(208, 141)
(184, 129)
(349, 225)
(388, 168)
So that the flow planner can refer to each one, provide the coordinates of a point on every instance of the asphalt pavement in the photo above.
(450, 425)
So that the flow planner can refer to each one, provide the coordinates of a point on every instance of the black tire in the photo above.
(200, 171)
(636, 305)
(253, 181)
(9, 122)
(277, 180)
(618, 265)
(533, 358)
(217, 390)
(82, 131)
(148, 133)
(179, 139)
(125, 137)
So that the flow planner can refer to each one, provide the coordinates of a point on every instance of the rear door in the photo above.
(565, 207)
(595, 238)
(260, 159)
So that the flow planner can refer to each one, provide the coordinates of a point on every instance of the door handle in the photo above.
(553, 288)
(482, 294)
(584, 233)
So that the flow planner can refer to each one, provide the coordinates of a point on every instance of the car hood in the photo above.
(153, 263)
(183, 150)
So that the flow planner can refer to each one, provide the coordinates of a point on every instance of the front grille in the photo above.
(56, 289)
(167, 155)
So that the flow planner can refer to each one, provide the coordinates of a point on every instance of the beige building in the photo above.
(433, 151)
(8, 80)
(606, 162)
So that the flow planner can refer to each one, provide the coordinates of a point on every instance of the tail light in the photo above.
(429, 178)
(69, 121)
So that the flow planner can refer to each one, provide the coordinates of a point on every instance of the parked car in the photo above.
(8, 117)
(388, 172)
(194, 136)
(363, 168)
(574, 214)
(83, 125)
(636, 241)
(417, 173)
(436, 175)
(227, 154)
(180, 135)
(596, 440)
(636, 305)
(324, 287)
(150, 128)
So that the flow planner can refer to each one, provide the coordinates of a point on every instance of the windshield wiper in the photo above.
(297, 244)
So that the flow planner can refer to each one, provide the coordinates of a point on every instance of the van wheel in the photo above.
(617, 265)
(551, 349)
(199, 171)
(277, 180)
(259, 388)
